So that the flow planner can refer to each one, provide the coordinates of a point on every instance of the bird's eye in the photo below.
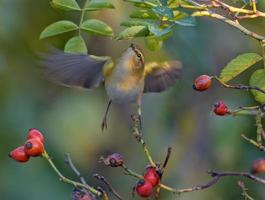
(139, 55)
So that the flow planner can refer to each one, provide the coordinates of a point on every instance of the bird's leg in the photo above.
(104, 121)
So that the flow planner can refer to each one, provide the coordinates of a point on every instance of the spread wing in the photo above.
(160, 76)
(74, 69)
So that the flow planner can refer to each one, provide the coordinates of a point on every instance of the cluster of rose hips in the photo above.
(202, 83)
(33, 147)
(145, 186)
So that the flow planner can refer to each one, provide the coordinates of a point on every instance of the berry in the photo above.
(152, 176)
(202, 83)
(258, 166)
(19, 154)
(220, 108)
(34, 147)
(78, 194)
(144, 188)
(113, 160)
(34, 133)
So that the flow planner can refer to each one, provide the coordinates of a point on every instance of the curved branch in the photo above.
(235, 24)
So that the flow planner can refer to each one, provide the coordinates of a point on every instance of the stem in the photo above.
(131, 173)
(81, 18)
(102, 178)
(253, 142)
(259, 127)
(239, 87)
(138, 135)
(69, 161)
(230, 22)
(254, 6)
(67, 180)
(263, 51)
(244, 191)
(157, 194)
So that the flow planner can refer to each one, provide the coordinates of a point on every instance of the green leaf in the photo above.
(131, 32)
(188, 21)
(258, 79)
(134, 23)
(163, 11)
(153, 43)
(144, 4)
(66, 5)
(75, 45)
(96, 27)
(164, 2)
(143, 14)
(58, 28)
(238, 65)
(159, 31)
(98, 5)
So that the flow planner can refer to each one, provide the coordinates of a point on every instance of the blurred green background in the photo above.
(70, 119)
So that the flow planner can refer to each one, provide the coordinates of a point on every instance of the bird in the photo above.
(125, 80)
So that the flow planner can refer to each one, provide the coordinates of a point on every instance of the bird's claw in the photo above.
(104, 124)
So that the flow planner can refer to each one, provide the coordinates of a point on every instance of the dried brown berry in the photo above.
(113, 160)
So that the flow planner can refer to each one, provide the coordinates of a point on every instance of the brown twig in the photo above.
(158, 189)
(239, 87)
(110, 188)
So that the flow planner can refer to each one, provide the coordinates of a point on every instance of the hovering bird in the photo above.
(125, 81)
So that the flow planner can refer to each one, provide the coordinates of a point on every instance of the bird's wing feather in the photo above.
(160, 76)
(74, 69)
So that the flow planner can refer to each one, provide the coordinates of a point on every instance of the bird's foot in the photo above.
(104, 124)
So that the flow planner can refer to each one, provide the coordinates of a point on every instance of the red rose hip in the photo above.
(19, 154)
(152, 176)
(258, 166)
(220, 108)
(202, 83)
(34, 147)
(35, 133)
(144, 188)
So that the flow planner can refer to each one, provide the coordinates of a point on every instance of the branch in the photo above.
(253, 142)
(69, 181)
(239, 87)
(244, 191)
(69, 162)
(138, 135)
(158, 189)
(101, 178)
(235, 24)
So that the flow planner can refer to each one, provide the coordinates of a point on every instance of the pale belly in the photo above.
(120, 93)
